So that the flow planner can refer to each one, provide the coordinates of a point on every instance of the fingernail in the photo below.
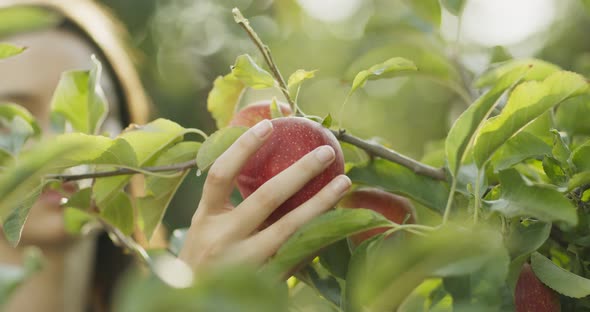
(262, 129)
(342, 184)
(324, 153)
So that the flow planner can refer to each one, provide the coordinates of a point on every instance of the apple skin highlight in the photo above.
(291, 139)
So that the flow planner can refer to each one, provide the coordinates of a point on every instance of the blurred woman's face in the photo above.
(30, 79)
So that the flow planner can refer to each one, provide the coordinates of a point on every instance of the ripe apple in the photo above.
(256, 112)
(393, 207)
(532, 295)
(291, 139)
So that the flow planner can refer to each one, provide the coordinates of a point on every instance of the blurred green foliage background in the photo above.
(186, 44)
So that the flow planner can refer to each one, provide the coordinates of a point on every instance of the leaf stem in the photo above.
(197, 131)
(341, 112)
(477, 196)
(450, 201)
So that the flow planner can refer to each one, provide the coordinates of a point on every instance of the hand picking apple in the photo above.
(220, 233)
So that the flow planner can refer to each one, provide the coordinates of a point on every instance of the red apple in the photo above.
(254, 113)
(291, 139)
(391, 206)
(531, 295)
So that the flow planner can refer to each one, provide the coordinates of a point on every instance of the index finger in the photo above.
(219, 182)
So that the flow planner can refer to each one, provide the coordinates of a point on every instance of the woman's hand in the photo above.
(220, 233)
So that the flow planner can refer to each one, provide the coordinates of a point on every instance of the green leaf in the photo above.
(554, 171)
(98, 107)
(7, 50)
(561, 150)
(79, 100)
(26, 18)
(361, 255)
(224, 98)
(147, 141)
(11, 277)
(526, 236)
(500, 54)
(275, 110)
(455, 7)
(429, 10)
(119, 152)
(578, 180)
(353, 156)
(323, 231)
(95, 146)
(15, 221)
(327, 122)
(559, 279)
(519, 148)
(19, 130)
(388, 69)
(252, 75)
(538, 70)
(9, 111)
(586, 4)
(581, 157)
(398, 179)
(228, 289)
(465, 127)
(483, 287)
(430, 58)
(296, 79)
(325, 284)
(216, 144)
(161, 190)
(335, 258)
(521, 200)
(422, 298)
(20, 125)
(75, 219)
(19, 178)
(528, 101)
(119, 212)
(567, 117)
(387, 276)
(503, 78)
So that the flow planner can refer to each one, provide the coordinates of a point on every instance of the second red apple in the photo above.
(393, 207)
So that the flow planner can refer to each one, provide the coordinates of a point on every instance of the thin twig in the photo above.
(265, 50)
(391, 155)
(371, 148)
(123, 171)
